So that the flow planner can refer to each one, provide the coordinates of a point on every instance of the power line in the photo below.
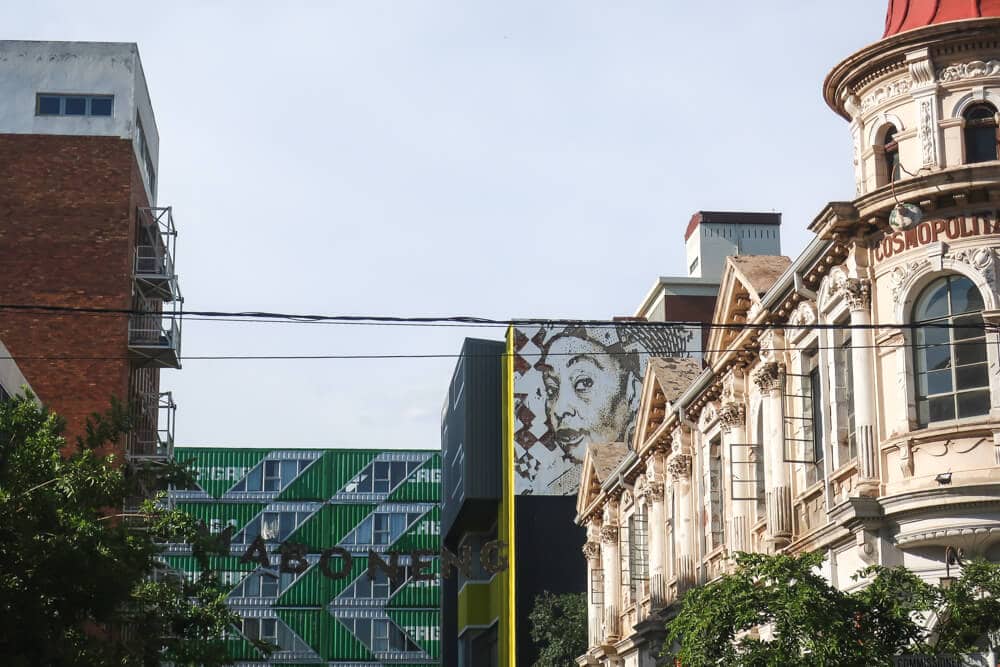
(498, 355)
(462, 320)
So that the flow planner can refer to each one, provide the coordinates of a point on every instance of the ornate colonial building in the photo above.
(851, 401)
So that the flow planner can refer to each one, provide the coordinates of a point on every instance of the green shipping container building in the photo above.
(350, 513)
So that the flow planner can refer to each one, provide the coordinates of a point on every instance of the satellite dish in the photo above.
(905, 216)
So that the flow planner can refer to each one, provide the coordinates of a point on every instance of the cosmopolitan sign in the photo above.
(336, 562)
(932, 231)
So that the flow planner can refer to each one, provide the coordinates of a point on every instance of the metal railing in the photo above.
(153, 265)
(152, 435)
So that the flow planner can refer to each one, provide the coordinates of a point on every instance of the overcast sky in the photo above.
(523, 158)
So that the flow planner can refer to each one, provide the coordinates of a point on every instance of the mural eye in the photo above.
(550, 392)
(583, 384)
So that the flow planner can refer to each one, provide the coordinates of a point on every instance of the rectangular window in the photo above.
(639, 554)
(845, 367)
(816, 401)
(382, 479)
(50, 104)
(381, 533)
(272, 475)
(380, 636)
(146, 161)
(597, 587)
(716, 504)
(268, 585)
(269, 630)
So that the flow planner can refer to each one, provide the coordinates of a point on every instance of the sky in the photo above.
(525, 158)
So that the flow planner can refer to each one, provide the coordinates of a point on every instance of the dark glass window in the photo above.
(100, 106)
(76, 106)
(980, 133)
(950, 363)
(892, 168)
(816, 404)
(48, 105)
(845, 382)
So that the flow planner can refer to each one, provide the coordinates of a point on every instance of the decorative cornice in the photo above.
(970, 70)
(732, 415)
(884, 92)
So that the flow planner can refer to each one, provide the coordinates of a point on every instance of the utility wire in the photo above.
(498, 355)
(396, 320)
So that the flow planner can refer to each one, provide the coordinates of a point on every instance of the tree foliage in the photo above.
(76, 573)
(559, 628)
(778, 610)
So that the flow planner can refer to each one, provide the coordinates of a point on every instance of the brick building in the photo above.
(80, 229)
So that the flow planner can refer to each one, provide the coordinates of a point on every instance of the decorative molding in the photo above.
(591, 550)
(902, 275)
(609, 534)
(982, 260)
(734, 386)
(927, 143)
(768, 377)
(970, 70)
(921, 68)
(804, 315)
(732, 415)
(885, 92)
(679, 467)
(709, 415)
(654, 491)
(831, 286)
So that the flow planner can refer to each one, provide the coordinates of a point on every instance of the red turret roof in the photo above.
(909, 14)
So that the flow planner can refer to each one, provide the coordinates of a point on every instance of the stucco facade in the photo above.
(851, 401)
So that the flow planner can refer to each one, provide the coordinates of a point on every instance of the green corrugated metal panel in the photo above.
(241, 649)
(425, 534)
(185, 563)
(325, 634)
(235, 514)
(315, 589)
(326, 477)
(420, 594)
(327, 527)
(423, 485)
(218, 468)
(423, 627)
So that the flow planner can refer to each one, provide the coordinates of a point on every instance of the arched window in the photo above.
(891, 155)
(950, 351)
(980, 133)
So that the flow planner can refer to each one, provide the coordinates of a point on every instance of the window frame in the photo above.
(918, 346)
(88, 101)
(970, 125)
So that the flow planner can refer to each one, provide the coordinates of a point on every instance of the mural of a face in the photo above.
(587, 394)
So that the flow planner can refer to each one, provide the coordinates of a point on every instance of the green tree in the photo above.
(809, 622)
(77, 584)
(559, 628)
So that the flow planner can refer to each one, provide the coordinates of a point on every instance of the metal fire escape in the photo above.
(154, 331)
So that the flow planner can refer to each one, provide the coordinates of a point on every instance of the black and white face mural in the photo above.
(578, 385)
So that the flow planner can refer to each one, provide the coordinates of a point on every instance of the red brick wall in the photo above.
(67, 226)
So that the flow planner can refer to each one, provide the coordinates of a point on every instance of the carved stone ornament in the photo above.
(768, 377)
(804, 315)
(901, 276)
(591, 550)
(885, 92)
(609, 534)
(927, 143)
(858, 293)
(679, 466)
(626, 498)
(708, 416)
(655, 491)
(983, 260)
(732, 415)
(830, 288)
(970, 70)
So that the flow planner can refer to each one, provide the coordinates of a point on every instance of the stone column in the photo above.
(592, 552)
(732, 416)
(769, 378)
(611, 559)
(656, 528)
(857, 292)
(679, 467)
